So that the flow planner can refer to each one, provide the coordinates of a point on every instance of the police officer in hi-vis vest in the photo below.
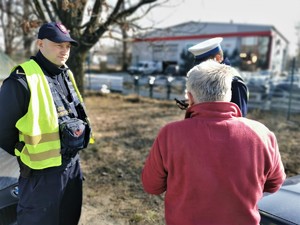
(44, 124)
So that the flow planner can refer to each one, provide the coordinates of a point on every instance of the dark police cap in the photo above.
(56, 32)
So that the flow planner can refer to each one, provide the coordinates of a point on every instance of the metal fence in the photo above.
(280, 94)
(264, 93)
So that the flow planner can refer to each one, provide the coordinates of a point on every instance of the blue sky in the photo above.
(283, 15)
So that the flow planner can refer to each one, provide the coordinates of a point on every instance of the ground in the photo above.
(124, 128)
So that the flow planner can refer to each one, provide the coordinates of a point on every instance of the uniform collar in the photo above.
(51, 68)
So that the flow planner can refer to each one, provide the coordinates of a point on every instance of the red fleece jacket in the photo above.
(213, 166)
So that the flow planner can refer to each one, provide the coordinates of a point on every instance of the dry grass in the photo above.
(124, 128)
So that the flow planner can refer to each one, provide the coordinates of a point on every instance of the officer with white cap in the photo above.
(211, 49)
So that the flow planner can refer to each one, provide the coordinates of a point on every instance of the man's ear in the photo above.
(39, 43)
(191, 98)
(219, 58)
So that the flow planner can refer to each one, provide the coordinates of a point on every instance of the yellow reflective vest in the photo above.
(39, 128)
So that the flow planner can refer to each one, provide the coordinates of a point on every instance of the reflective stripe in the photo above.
(42, 138)
(75, 86)
(42, 155)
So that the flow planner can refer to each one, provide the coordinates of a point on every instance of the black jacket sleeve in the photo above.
(240, 94)
(14, 100)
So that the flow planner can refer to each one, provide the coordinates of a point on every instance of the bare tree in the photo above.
(126, 25)
(10, 17)
(87, 21)
(28, 22)
(17, 22)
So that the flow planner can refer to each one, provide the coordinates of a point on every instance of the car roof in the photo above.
(285, 203)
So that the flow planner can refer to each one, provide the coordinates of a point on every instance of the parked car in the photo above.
(145, 68)
(282, 207)
(284, 87)
(9, 172)
(161, 80)
(174, 70)
(145, 80)
(178, 85)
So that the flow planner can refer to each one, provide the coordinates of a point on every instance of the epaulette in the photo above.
(238, 79)
(20, 72)
(19, 75)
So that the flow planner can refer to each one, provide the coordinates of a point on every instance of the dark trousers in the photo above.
(53, 198)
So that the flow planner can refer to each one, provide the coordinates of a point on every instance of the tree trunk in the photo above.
(76, 64)
(26, 38)
(124, 52)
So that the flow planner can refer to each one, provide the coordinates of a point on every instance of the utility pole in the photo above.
(291, 89)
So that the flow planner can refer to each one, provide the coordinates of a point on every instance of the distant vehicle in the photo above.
(259, 78)
(161, 80)
(104, 82)
(287, 82)
(145, 80)
(145, 68)
(178, 84)
(9, 172)
(282, 207)
(174, 70)
(284, 86)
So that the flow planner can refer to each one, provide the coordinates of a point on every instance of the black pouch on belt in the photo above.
(72, 136)
(25, 171)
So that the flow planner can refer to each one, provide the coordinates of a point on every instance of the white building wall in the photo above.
(278, 53)
(171, 50)
(168, 44)
(141, 51)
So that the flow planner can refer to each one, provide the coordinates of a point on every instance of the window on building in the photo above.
(254, 53)
(165, 51)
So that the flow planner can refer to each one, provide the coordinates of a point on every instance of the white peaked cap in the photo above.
(206, 48)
